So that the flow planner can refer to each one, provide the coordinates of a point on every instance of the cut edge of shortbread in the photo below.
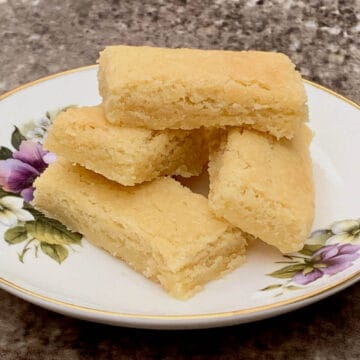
(251, 209)
(125, 155)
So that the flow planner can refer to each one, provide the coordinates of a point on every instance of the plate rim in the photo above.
(69, 308)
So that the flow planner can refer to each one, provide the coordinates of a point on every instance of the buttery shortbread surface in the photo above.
(264, 186)
(160, 88)
(125, 155)
(159, 228)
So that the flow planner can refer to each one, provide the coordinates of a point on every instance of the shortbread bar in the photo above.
(159, 88)
(159, 228)
(264, 186)
(125, 155)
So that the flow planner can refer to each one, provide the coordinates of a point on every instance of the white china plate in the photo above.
(90, 284)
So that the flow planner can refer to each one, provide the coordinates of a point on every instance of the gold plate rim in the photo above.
(84, 310)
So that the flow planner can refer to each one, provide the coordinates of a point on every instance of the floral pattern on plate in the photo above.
(18, 170)
(326, 253)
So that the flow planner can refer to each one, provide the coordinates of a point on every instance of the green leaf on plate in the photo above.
(16, 138)
(57, 252)
(35, 213)
(5, 153)
(271, 287)
(36, 250)
(5, 193)
(22, 254)
(307, 270)
(293, 287)
(309, 250)
(288, 272)
(319, 266)
(319, 237)
(16, 235)
(52, 232)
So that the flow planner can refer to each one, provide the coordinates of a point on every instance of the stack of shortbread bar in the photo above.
(169, 112)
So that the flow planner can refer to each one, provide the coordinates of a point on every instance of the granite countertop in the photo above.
(322, 37)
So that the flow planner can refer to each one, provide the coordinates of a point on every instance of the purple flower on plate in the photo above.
(18, 174)
(328, 260)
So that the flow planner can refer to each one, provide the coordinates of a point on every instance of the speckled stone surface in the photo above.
(322, 37)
